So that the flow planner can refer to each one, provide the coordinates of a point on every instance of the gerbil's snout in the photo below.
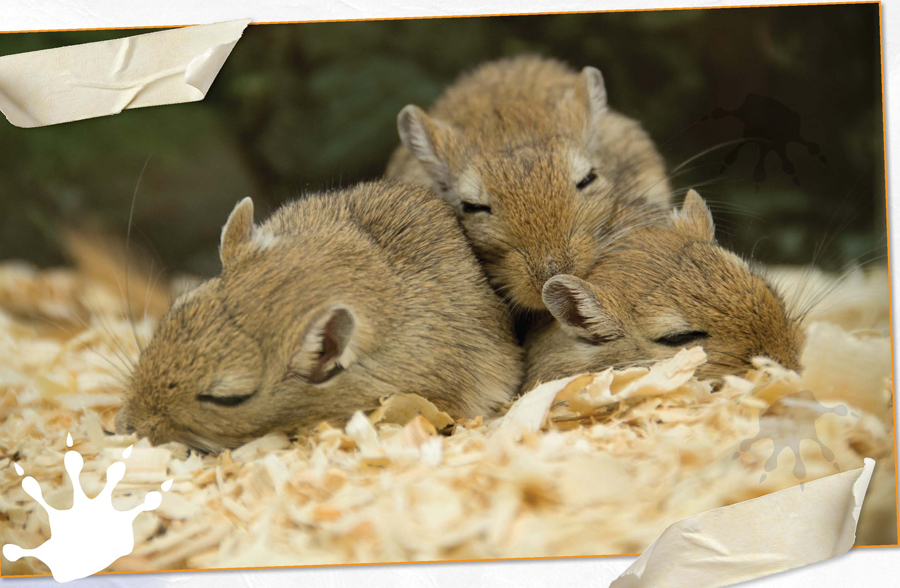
(156, 426)
(131, 419)
(792, 361)
(784, 346)
(123, 421)
(527, 274)
(528, 271)
(551, 266)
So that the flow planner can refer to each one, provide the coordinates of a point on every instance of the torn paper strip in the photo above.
(98, 79)
(767, 535)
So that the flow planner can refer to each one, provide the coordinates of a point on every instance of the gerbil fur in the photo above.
(660, 289)
(541, 172)
(335, 301)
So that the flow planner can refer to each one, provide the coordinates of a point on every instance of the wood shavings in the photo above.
(592, 464)
(259, 447)
(402, 408)
(866, 361)
(529, 412)
(845, 301)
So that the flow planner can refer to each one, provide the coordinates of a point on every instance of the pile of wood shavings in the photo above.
(597, 464)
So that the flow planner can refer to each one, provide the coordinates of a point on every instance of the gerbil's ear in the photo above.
(424, 136)
(238, 230)
(694, 218)
(327, 346)
(595, 92)
(574, 304)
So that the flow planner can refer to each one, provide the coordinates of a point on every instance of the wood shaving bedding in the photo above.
(593, 464)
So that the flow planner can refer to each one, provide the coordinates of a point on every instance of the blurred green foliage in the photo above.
(304, 107)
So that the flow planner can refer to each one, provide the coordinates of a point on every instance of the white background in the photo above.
(861, 567)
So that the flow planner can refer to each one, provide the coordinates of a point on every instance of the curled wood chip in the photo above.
(259, 447)
(665, 376)
(402, 408)
(529, 411)
(586, 394)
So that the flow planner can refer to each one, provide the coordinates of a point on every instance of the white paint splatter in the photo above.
(92, 534)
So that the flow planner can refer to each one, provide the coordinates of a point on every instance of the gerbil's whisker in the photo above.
(707, 152)
(117, 348)
(823, 291)
(122, 294)
(150, 283)
(91, 302)
(118, 371)
(127, 251)
(743, 360)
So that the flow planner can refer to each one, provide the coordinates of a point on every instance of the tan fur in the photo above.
(375, 286)
(518, 135)
(656, 282)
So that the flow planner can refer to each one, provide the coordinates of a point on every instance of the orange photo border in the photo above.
(887, 228)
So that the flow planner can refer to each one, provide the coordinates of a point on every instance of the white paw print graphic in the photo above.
(91, 535)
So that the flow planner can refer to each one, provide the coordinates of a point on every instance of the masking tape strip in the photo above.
(98, 79)
(767, 535)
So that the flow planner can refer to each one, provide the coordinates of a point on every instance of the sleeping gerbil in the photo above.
(658, 290)
(541, 172)
(336, 300)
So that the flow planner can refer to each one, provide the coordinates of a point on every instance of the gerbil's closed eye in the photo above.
(225, 400)
(681, 339)
(595, 340)
(231, 388)
(471, 208)
(586, 181)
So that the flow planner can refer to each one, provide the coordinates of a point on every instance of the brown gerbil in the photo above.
(336, 300)
(660, 289)
(541, 172)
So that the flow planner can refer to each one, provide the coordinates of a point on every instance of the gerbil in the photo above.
(540, 171)
(336, 300)
(661, 289)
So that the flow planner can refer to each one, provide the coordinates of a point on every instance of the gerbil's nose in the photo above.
(553, 267)
(123, 423)
(789, 359)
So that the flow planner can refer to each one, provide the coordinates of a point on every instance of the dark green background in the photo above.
(309, 106)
